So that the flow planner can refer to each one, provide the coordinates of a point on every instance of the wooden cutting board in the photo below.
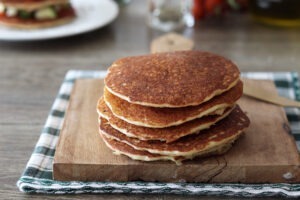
(266, 153)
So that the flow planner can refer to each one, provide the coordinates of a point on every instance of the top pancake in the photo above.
(174, 79)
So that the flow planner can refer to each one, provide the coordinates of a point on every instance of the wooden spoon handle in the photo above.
(265, 95)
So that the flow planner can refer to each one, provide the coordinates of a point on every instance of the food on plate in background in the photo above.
(33, 14)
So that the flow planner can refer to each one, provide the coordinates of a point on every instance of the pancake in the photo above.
(164, 117)
(173, 79)
(224, 132)
(120, 148)
(168, 134)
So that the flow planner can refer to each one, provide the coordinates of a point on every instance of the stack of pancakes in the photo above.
(171, 106)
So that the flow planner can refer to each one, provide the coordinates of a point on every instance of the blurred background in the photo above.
(258, 35)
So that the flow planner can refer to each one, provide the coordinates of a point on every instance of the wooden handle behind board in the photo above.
(265, 95)
(171, 42)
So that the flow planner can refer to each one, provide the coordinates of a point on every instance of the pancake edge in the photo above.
(215, 93)
(192, 131)
(175, 123)
(189, 154)
(178, 161)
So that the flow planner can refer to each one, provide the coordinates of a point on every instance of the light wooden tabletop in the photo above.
(31, 73)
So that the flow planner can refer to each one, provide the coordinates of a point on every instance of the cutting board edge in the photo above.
(227, 174)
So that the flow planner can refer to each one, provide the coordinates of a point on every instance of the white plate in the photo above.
(91, 15)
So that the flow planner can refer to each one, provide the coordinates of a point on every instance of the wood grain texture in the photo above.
(31, 73)
(264, 154)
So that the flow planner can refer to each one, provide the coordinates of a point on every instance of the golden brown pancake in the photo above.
(168, 134)
(121, 148)
(164, 117)
(173, 79)
(224, 132)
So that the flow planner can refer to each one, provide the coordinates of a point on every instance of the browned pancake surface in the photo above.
(168, 134)
(165, 117)
(226, 130)
(173, 79)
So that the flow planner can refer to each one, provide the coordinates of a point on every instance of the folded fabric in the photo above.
(37, 176)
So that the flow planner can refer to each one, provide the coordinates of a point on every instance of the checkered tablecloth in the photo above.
(37, 176)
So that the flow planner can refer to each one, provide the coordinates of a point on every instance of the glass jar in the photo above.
(169, 15)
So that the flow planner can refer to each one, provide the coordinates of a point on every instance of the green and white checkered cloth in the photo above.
(37, 177)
